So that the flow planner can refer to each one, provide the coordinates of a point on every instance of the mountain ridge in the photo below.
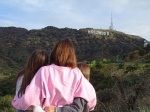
(18, 43)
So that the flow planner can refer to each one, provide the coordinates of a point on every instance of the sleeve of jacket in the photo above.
(78, 105)
(33, 96)
(86, 91)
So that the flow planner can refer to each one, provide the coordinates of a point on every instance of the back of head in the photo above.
(37, 59)
(85, 69)
(63, 54)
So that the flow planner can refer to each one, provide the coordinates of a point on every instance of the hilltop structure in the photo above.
(146, 43)
(102, 32)
(111, 24)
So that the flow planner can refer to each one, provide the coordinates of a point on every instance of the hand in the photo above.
(50, 109)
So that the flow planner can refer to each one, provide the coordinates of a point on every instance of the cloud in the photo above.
(25, 5)
(142, 30)
(130, 16)
(7, 23)
(117, 6)
(34, 3)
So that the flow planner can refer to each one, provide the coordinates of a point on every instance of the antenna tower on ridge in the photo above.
(111, 25)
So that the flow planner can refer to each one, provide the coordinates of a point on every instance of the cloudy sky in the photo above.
(129, 16)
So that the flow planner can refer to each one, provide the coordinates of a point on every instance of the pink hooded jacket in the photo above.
(56, 86)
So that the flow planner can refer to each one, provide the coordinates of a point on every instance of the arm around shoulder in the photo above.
(86, 91)
(32, 94)
(78, 105)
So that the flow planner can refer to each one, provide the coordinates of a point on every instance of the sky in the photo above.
(129, 16)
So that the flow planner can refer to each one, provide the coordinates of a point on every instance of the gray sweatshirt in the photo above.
(78, 105)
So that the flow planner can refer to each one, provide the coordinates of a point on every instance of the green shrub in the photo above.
(131, 68)
(144, 109)
(92, 64)
(121, 66)
(7, 85)
(5, 104)
(99, 65)
(105, 95)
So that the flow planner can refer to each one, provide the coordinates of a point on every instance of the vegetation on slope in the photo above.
(120, 71)
(18, 43)
(124, 86)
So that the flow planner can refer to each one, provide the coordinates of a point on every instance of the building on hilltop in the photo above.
(146, 43)
(111, 24)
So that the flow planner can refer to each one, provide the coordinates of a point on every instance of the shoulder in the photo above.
(77, 73)
(77, 70)
(44, 68)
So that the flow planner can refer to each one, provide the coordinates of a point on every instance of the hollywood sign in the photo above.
(98, 32)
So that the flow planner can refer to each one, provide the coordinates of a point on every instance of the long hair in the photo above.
(63, 54)
(85, 69)
(37, 59)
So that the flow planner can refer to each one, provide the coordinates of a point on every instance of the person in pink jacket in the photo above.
(79, 104)
(36, 60)
(59, 83)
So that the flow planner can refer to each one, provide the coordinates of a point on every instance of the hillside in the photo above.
(119, 64)
(18, 43)
(124, 86)
(140, 54)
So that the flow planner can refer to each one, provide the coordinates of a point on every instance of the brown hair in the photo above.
(85, 69)
(63, 54)
(36, 60)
